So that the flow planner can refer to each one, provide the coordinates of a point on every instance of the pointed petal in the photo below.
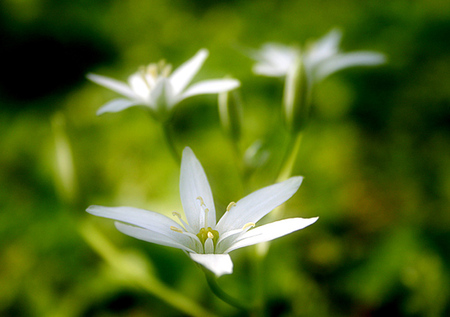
(347, 60)
(139, 86)
(113, 84)
(219, 264)
(117, 105)
(153, 237)
(274, 60)
(139, 217)
(161, 98)
(194, 184)
(213, 86)
(256, 205)
(183, 75)
(271, 231)
(268, 70)
(324, 48)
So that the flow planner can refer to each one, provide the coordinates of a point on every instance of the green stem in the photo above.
(168, 136)
(212, 282)
(258, 283)
(291, 157)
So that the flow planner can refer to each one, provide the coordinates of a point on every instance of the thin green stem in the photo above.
(215, 288)
(258, 283)
(290, 157)
(166, 126)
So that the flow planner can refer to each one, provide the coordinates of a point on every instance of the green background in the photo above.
(375, 156)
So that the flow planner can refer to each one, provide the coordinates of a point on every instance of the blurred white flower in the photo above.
(160, 90)
(321, 59)
(207, 242)
(274, 60)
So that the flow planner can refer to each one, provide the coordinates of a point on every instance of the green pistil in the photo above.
(203, 235)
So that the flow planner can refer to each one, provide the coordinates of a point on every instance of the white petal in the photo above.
(269, 70)
(116, 85)
(219, 264)
(347, 60)
(154, 237)
(274, 60)
(256, 205)
(324, 48)
(161, 97)
(139, 86)
(117, 105)
(194, 184)
(183, 75)
(271, 231)
(139, 217)
(213, 86)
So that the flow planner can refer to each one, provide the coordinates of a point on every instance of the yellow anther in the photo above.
(176, 214)
(176, 229)
(210, 235)
(231, 205)
(201, 201)
(250, 224)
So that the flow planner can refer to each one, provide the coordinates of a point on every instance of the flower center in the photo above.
(206, 233)
(160, 69)
(148, 75)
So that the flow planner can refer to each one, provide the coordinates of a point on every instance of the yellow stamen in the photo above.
(176, 229)
(231, 205)
(201, 201)
(250, 224)
(206, 233)
(176, 214)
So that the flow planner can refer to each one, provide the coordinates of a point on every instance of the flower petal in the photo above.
(324, 48)
(219, 264)
(274, 60)
(139, 217)
(271, 231)
(117, 105)
(213, 86)
(341, 61)
(139, 86)
(256, 205)
(161, 97)
(113, 84)
(153, 237)
(183, 75)
(194, 184)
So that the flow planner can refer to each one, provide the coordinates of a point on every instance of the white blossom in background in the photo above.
(159, 89)
(321, 59)
(206, 241)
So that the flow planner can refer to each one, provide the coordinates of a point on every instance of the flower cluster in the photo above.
(155, 87)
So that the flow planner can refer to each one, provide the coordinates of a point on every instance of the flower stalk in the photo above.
(220, 293)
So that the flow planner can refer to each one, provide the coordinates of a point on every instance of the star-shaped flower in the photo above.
(160, 90)
(321, 59)
(206, 241)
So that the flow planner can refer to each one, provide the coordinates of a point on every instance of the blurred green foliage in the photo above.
(376, 156)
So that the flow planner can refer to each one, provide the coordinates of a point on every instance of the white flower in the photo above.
(206, 241)
(156, 87)
(321, 59)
